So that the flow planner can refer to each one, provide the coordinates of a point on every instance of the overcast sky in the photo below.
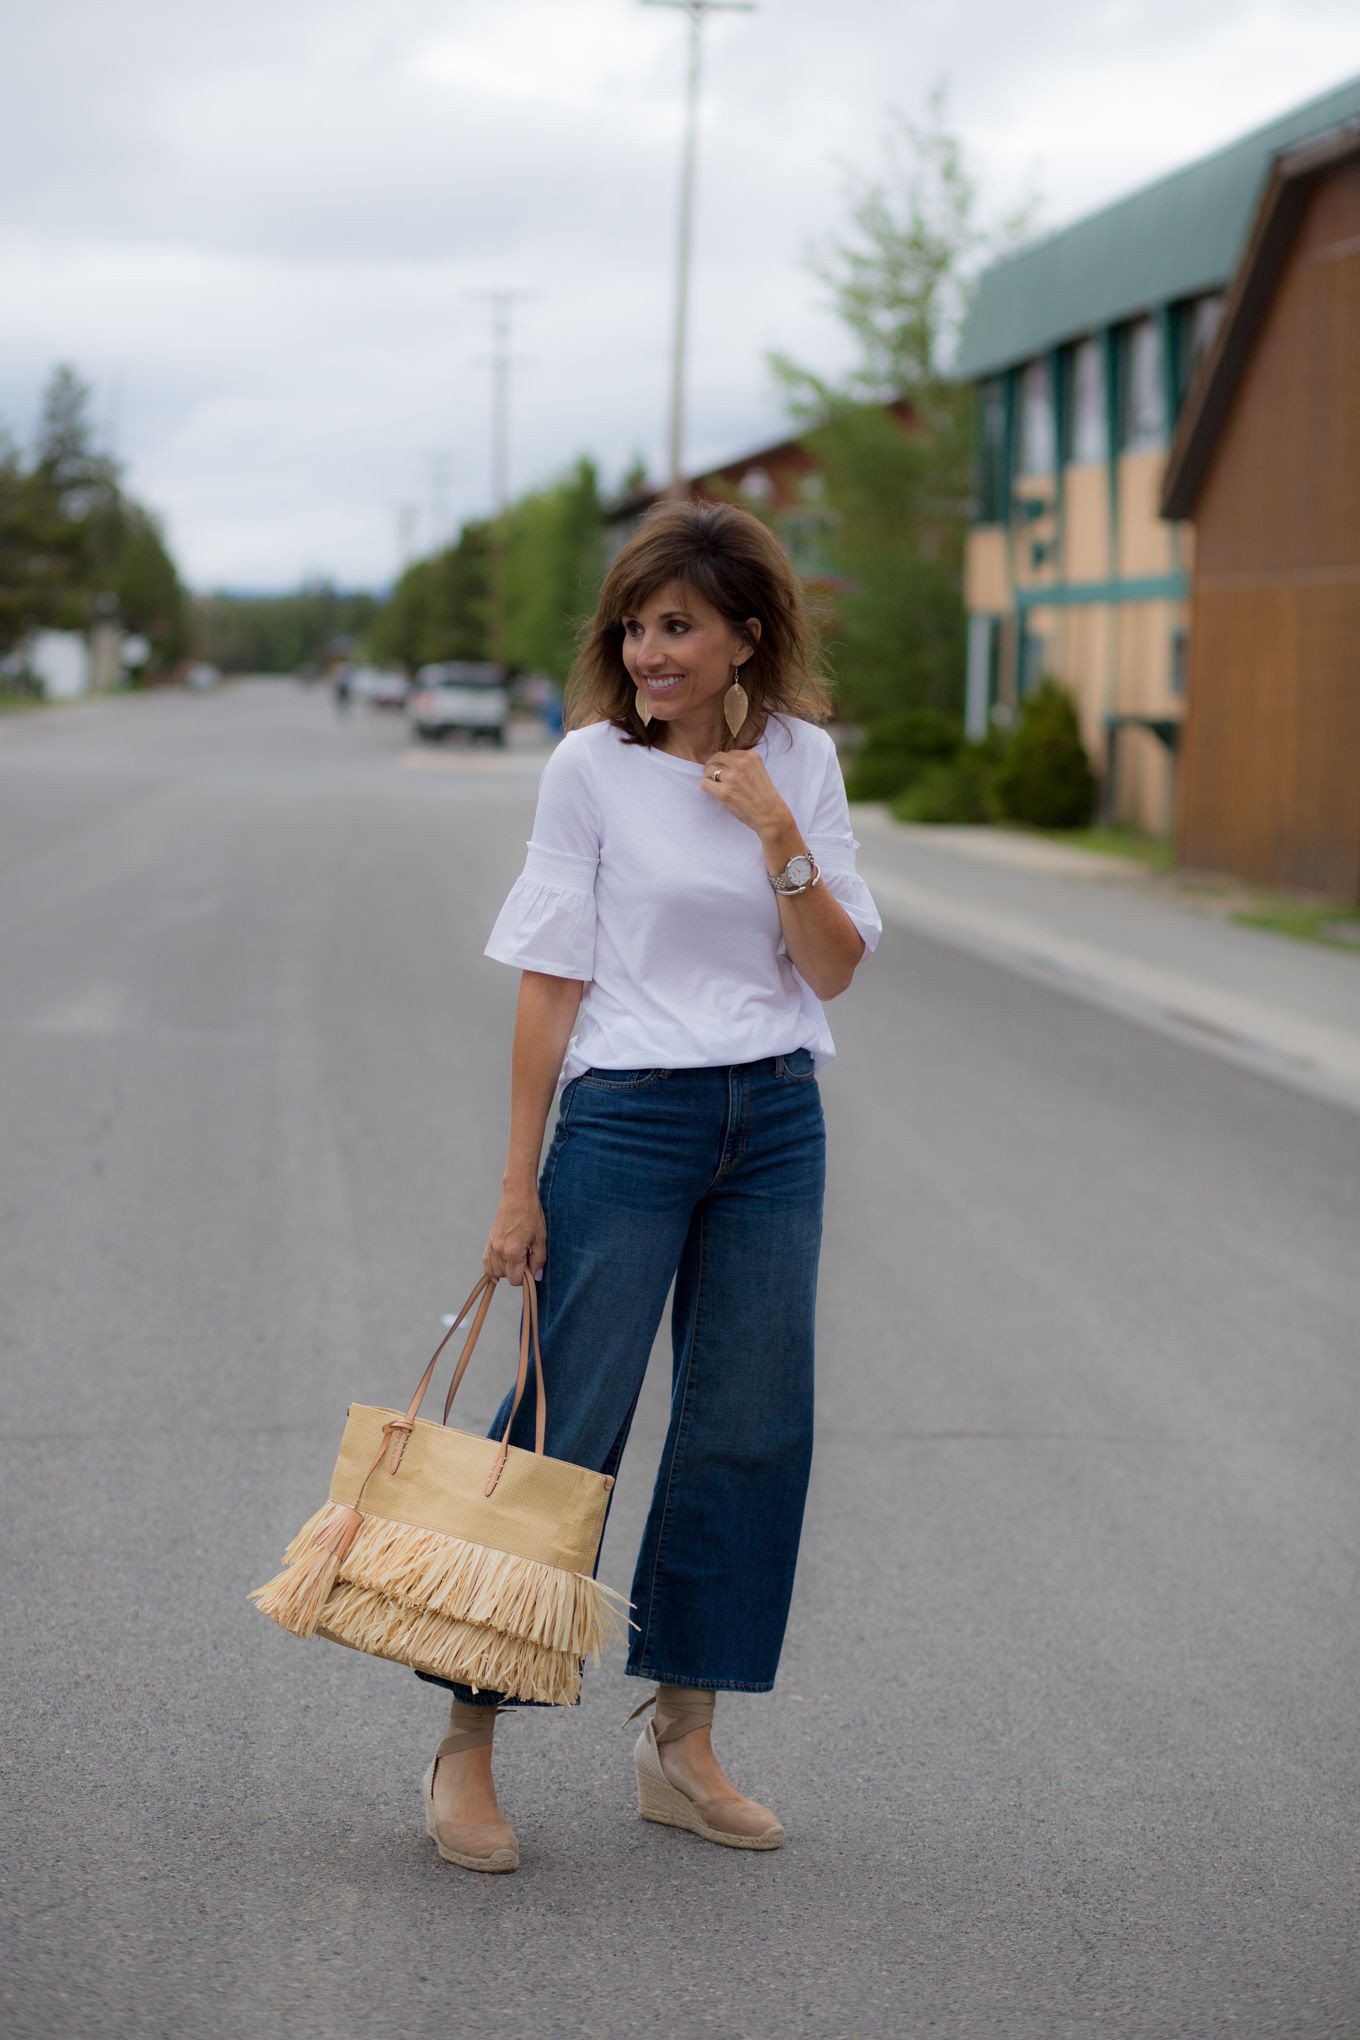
(257, 228)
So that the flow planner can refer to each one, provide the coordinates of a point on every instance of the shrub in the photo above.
(898, 748)
(963, 789)
(1045, 778)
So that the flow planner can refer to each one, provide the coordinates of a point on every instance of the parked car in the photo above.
(469, 695)
(385, 690)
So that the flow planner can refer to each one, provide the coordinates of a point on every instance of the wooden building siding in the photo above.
(1269, 781)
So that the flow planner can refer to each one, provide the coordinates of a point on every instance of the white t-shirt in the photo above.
(643, 886)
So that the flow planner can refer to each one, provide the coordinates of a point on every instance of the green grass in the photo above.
(1157, 852)
(12, 703)
(1302, 920)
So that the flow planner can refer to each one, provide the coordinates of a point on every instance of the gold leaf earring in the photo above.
(735, 705)
(643, 707)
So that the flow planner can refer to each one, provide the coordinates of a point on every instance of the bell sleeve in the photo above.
(548, 920)
(833, 843)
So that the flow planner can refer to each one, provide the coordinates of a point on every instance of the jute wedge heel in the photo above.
(733, 1823)
(474, 1844)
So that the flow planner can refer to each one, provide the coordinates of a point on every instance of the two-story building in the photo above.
(1082, 348)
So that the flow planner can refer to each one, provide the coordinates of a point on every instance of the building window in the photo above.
(1143, 411)
(984, 649)
(805, 526)
(1193, 324)
(1033, 660)
(1205, 319)
(991, 456)
(757, 485)
(1180, 652)
(1036, 419)
(1088, 404)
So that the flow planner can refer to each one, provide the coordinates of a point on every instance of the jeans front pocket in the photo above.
(797, 1066)
(619, 1080)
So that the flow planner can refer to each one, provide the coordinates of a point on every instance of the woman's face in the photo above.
(680, 652)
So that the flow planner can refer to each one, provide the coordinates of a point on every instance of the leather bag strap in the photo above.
(528, 1328)
(339, 1535)
(488, 1286)
(528, 1325)
(398, 1429)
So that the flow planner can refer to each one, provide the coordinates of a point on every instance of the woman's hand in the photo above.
(518, 1238)
(823, 943)
(747, 791)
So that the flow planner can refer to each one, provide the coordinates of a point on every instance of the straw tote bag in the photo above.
(455, 1554)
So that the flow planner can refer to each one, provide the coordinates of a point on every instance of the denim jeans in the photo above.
(713, 1178)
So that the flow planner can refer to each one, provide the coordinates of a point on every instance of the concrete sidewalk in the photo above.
(1109, 931)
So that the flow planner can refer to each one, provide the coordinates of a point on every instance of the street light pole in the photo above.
(696, 10)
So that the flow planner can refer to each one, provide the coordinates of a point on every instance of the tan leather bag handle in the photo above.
(399, 1428)
(340, 1532)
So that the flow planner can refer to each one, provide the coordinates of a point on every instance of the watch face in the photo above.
(799, 869)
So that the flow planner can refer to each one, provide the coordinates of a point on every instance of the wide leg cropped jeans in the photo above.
(711, 1178)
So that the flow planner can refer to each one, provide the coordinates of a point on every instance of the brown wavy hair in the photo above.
(736, 564)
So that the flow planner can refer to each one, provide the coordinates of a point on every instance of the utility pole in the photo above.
(441, 474)
(408, 518)
(501, 299)
(500, 361)
(696, 10)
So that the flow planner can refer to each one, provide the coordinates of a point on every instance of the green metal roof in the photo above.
(1173, 239)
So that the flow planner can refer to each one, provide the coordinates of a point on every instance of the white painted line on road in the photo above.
(495, 765)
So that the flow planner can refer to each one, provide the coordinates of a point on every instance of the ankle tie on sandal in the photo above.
(679, 1709)
(470, 1728)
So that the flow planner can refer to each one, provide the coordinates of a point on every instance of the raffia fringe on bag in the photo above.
(463, 1556)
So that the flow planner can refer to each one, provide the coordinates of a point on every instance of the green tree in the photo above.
(894, 434)
(79, 489)
(440, 607)
(1046, 777)
(29, 533)
(151, 596)
(72, 544)
(281, 633)
(553, 558)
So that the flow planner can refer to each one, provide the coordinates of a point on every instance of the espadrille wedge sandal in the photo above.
(735, 1823)
(475, 1844)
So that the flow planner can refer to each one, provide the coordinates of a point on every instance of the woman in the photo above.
(688, 900)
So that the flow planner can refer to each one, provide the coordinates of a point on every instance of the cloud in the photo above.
(259, 230)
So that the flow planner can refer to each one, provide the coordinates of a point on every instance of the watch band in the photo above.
(781, 881)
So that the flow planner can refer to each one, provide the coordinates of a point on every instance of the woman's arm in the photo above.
(824, 944)
(544, 1019)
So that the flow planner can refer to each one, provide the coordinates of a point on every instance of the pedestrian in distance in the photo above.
(688, 901)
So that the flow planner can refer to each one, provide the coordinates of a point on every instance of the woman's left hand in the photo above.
(747, 791)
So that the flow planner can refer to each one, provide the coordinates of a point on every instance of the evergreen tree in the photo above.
(151, 596)
(73, 547)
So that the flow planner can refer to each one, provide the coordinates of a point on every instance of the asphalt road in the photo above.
(1065, 1730)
